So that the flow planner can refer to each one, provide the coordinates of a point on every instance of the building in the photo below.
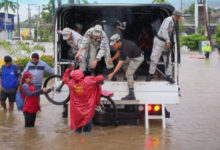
(7, 31)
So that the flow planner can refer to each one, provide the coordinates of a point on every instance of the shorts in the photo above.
(10, 96)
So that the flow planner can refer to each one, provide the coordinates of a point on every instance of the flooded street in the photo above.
(194, 122)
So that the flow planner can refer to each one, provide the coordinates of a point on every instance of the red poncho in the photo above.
(85, 94)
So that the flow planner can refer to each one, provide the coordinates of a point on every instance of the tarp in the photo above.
(85, 94)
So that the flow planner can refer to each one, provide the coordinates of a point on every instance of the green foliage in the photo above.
(201, 29)
(49, 60)
(78, 1)
(160, 2)
(6, 46)
(22, 62)
(217, 35)
(6, 4)
(182, 28)
(22, 49)
(192, 41)
(39, 47)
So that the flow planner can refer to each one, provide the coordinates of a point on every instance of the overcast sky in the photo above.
(23, 11)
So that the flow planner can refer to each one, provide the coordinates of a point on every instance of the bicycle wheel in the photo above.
(108, 115)
(61, 93)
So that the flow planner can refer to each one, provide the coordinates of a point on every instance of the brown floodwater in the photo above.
(194, 122)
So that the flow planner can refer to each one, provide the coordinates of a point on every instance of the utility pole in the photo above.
(206, 24)
(181, 6)
(18, 21)
(38, 24)
(29, 19)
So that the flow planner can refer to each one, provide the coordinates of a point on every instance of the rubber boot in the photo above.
(65, 110)
(167, 113)
(149, 77)
(130, 96)
(170, 79)
(92, 72)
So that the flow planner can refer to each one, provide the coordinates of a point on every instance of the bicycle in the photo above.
(60, 95)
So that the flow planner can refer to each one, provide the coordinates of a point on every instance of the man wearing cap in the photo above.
(95, 43)
(74, 39)
(126, 50)
(162, 44)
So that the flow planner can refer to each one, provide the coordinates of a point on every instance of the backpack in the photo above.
(19, 101)
(10, 77)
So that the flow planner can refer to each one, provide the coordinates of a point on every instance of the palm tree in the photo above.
(159, 2)
(8, 4)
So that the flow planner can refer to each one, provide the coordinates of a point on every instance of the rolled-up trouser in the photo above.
(155, 57)
(83, 63)
(133, 64)
(93, 53)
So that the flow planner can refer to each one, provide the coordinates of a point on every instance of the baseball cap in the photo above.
(177, 13)
(114, 38)
(27, 75)
(66, 33)
(97, 31)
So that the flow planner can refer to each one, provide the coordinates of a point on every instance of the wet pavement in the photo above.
(194, 122)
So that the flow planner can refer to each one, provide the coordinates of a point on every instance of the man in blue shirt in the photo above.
(9, 81)
(37, 67)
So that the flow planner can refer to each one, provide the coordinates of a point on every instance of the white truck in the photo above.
(151, 97)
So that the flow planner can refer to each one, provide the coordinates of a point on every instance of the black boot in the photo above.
(149, 77)
(92, 72)
(167, 113)
(170, 79)
(130, 96)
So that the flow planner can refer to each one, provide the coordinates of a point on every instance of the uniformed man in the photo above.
(95, 43)
(74, 40)
(162, 43)
(130, 51)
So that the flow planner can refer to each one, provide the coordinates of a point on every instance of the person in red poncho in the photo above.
(85, 94)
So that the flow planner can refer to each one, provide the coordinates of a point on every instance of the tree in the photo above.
(159, 2)
(191, 11)
(70, 1)
(7, 4)
(60, 3)
(78, 1)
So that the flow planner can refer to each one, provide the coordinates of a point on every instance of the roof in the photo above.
(8, 13)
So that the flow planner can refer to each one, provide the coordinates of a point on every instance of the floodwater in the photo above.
(194, 122)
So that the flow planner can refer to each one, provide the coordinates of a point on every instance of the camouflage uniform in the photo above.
(74, 44)
(96, 48)
(131, 65)
(159, 46)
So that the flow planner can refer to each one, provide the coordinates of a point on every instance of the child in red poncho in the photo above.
(85, 94)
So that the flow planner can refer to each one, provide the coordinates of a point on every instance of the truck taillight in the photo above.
(150, 108)
(154, 109)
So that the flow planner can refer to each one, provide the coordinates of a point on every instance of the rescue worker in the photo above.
(95, 43)
(163, 43)
(130, 51)
(74, 40)
(78, 28)
(207, 50)
(85, 94)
